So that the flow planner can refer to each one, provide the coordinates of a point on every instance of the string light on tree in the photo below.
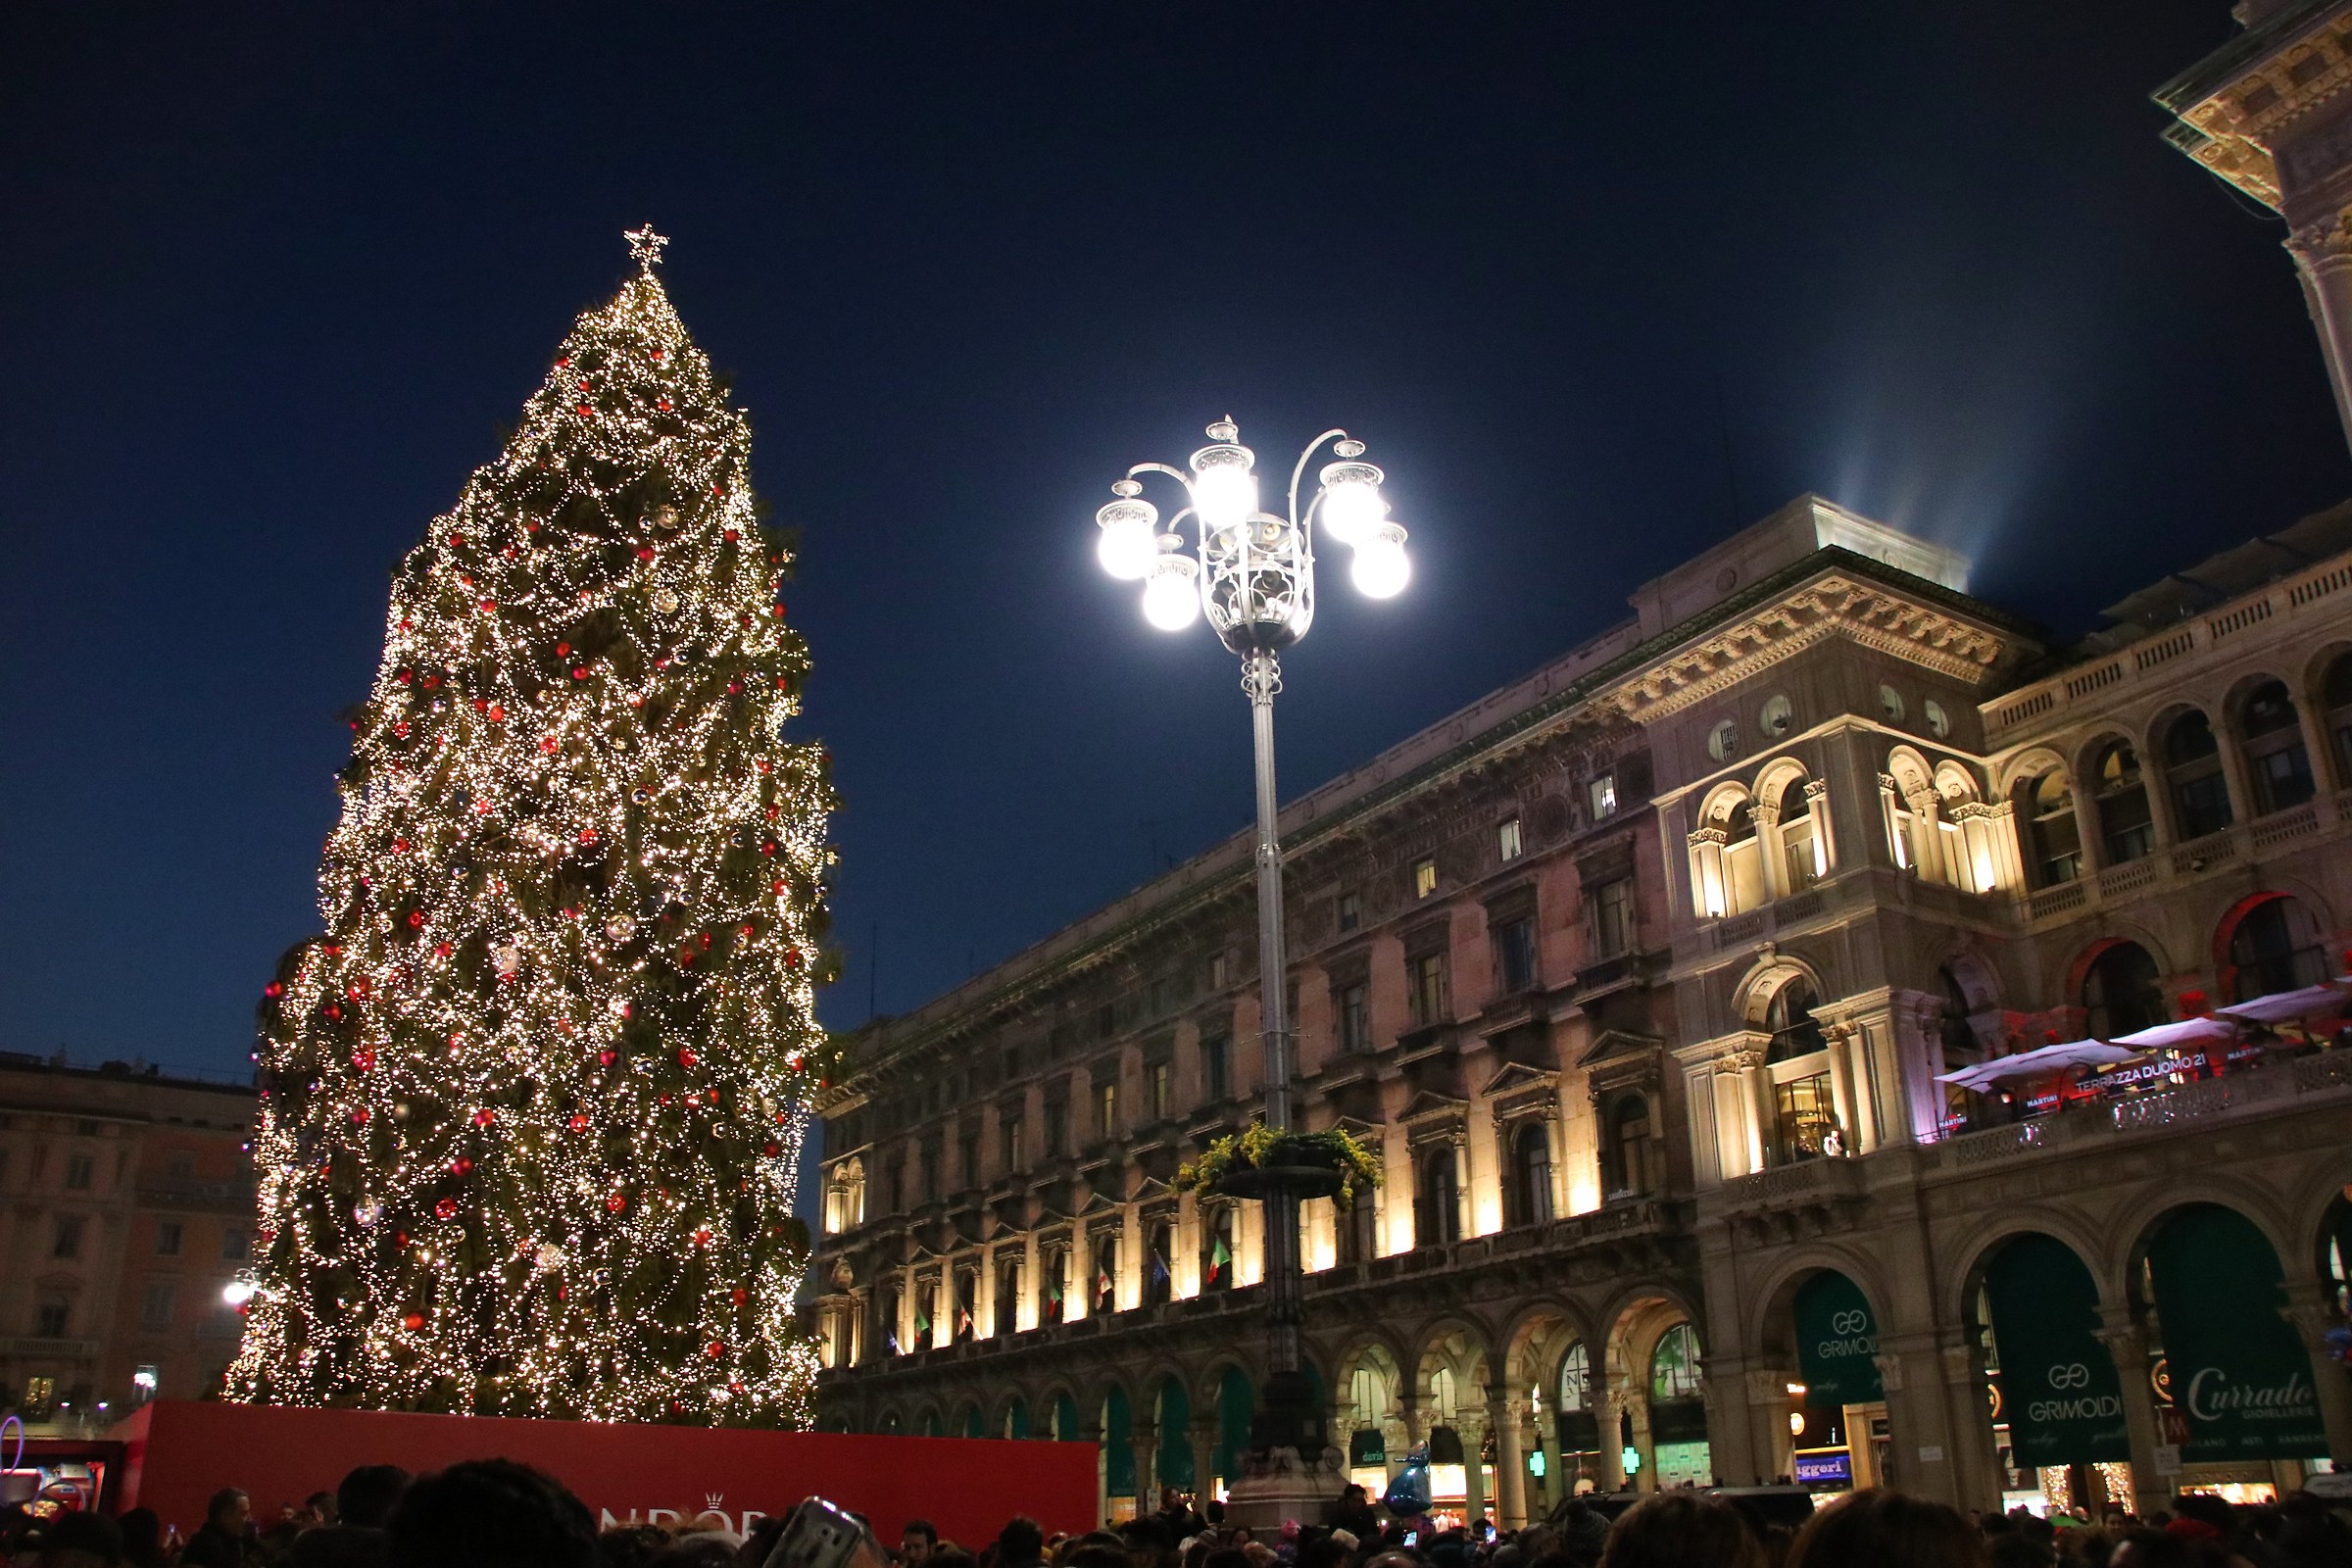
(533, 1106)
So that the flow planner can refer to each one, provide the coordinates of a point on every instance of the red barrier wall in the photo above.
(180, 1452)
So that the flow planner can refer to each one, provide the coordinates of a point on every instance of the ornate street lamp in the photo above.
(1252, 574)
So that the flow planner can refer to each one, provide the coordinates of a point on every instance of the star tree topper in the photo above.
(646, 245)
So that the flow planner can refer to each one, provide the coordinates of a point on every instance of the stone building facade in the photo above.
(1640, 975)
(126, 1204)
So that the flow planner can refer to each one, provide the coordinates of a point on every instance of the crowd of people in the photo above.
(494, 1513)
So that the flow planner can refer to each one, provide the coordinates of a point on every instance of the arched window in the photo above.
(1789, 1018)
(1528, 1197)
(2121, 992)
(1159, 1273)
(2126, 826)
(1802, 851)
(1437, 1198)
(2054, 841)
(2277, 765)
(2276, 946)
(1216, 1251)
(1674, 1366)
(1576, 1378)
(2336, 697)
(2193, 766)
(1628, 1164)
(1106, 1287)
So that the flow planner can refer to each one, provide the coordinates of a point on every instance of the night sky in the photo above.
(1596, 288)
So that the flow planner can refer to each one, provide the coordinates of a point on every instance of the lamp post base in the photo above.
(1291, 1470)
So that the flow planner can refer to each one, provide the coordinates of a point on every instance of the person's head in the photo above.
(229, 1508)
(1874, 1526)
(2206, 1509)
(917, 1541)
(1019, 1542)
(1097, 1554)
(1682, 1530)
(2009, 1549)
(490, 1513)
(366, 1494)
(142, 1537)
(81, 1540)
(2162, 1548)
(632, 1546)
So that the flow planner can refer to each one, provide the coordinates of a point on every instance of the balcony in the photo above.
(47, 1350)
(198, 1198)
(2165, 870)
(1802, 1184)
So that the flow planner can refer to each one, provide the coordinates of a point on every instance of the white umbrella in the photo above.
(2281, 1006)
(2187, 1032)
(2040, 1063)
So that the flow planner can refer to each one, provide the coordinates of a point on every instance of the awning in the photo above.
(2040, 1063)
(2187, 1032)
(2280, 1006)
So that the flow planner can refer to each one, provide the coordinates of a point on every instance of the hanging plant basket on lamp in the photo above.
(1329, 1164)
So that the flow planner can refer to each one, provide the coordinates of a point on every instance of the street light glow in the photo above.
(1381, 569)
(1353, 505)
(1129, 542)
(236, 1292)
(1170, 601)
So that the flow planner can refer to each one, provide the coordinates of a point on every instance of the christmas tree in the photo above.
(533, 1106)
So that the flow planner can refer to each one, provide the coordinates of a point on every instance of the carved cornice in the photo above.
(1869, 615)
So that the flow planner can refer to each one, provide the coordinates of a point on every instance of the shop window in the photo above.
(2052, 835)
(1510, 842)
(1357, 1239)
(1216, 1249)
(1159, 1274)
(1612, 917)
(1515, 954)
(1107, 1274)
(1789, 1019)
(1008, 1295)
(1437, 1198)
(155, 1307)
(1354, 1021)
(1215, 1069)
(1528, 1195)
(2274, 947)
(2277, 765)
(2126, 826)
(2336, 696)
(1629, 1148)
(2192, 765)
(2121, 992)
(1802, 850)
(1425, 977)
(1674, 1367)
(1805, 1118)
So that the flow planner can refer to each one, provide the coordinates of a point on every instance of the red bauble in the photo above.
(413, 1322)
(484, 1116)
(584, 383)
(701, 1236)
(460, 1166)
(687, 1058)
(563, 650)
(579, 672)
(585, 410)
(615, 1204)
(489, 604)
(715, 1350)
(274, 991)
(547, 744)
(359, 1117)
(645, 552)
(416, 920)
(731, 535)
(447, 1209)
(605, 1059)
(578, 1124)
(332, 1012)
(738, 1295)
(768, 848)
(497, 714)
(364, 1060)
(587, 836)
(663, 404)
(771, 1151)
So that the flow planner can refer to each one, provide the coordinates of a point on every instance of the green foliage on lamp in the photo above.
(1259, 1147)
(532, 1105)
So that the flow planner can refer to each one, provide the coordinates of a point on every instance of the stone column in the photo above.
(2313, 1315)
(1144, 1438)
(1203, 1432)
(2323, 252)
(1473, 1428)
(1612, 1424)
(1772, 857)
(1510, 1460)
(2127, 1342)
(1408, 1404)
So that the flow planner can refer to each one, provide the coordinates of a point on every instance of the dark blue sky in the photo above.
(273, 277)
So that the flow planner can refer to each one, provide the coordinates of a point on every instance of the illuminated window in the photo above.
(1107, 1099)
(1425, 878)
(1604, 794)
(1510, 840)
(1723, 741)
(1674, 1370)
(1778, 718)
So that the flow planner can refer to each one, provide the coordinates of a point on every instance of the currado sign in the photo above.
(1836, 1343)
(2239, 1374)
(2059, 1387)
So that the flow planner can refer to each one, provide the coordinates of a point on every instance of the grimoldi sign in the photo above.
(2240, 1374)
(1836, 1342)
(2059, 1387)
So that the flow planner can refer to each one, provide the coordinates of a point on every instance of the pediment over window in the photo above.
(1428, 1106)
(1611, 1044)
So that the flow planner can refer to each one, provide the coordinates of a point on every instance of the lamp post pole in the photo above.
(1252, 574)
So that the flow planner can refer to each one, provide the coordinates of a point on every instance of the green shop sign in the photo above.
(2238, 1373)
(1836, 1343)
(2059, 1390)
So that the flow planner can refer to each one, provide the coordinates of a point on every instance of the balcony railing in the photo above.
(2154, 873)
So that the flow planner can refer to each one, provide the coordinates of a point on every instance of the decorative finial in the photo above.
(646, 245)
